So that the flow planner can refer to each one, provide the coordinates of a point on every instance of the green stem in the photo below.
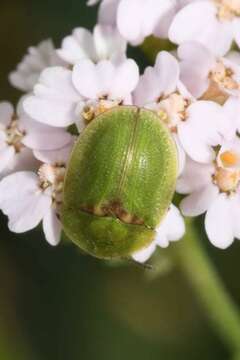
(221, 310)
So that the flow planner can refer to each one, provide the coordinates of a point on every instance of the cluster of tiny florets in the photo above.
(195, 90)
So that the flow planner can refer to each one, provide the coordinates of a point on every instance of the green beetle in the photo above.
(119, 183)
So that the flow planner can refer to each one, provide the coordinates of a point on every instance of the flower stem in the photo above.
(221, 310)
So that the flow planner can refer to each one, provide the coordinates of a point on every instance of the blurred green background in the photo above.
(55, 303)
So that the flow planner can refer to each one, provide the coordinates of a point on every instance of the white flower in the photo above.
(63, 97)
(13, 153)
(147, 17)
(28, 198)
(197, 125)
(19, 135)
(28, 71)
(107, 11)
(214, 23)
(172, 228)
(207, 76)
(214, 188)
(104, 43)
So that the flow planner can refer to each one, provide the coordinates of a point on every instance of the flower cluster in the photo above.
(195, 91)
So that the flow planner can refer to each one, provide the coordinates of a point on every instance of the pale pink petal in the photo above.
(166, 10)
(108, 42)
(236, 30)
(182, 89)
(196, 63)
(172, 228)
(43, 137)
(22, 201)
(7, 154)
(108, 12)
(55, 156)
(148, 89)
(125, 79)
(218, 222)
(199, 201)
(134, 10)
(232, 112)
(22, 161)
(194, 177)
(158, 81)
(33, 63)
(52, 227)
(78, 46)
(54, 99)
(203, 129)
(93, 81)
(198, 22)
(143, 255)
(168, 72)
(6, 113)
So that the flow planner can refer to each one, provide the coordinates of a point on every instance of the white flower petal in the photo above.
(143, 255)
(52, 227)
(199, 201)
(78, 46)
(194, 177)
(108, 42)
(198, 22)
(7, 158)
(43, 137)
(93, 81)
(148, 89)
(55, 98)
(125, 79)
(196, 63)
(168, 72)
(172, 228)
(202, 130)
(6, 113)
(134, 10)
(218, 222)
(55, 156)
(108, 12)
(158, 81)
(37, 59)
(22, 201)
(22, 161)
(231, 110)
(236, 29)
(166, 11)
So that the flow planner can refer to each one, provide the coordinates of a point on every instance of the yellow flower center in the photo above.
(227, 176)
(171, 108)
(14, 136)
(52, 176)
(226, 180)
(91, 111)
(224, 77)
(227, 10)
(230, 159)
